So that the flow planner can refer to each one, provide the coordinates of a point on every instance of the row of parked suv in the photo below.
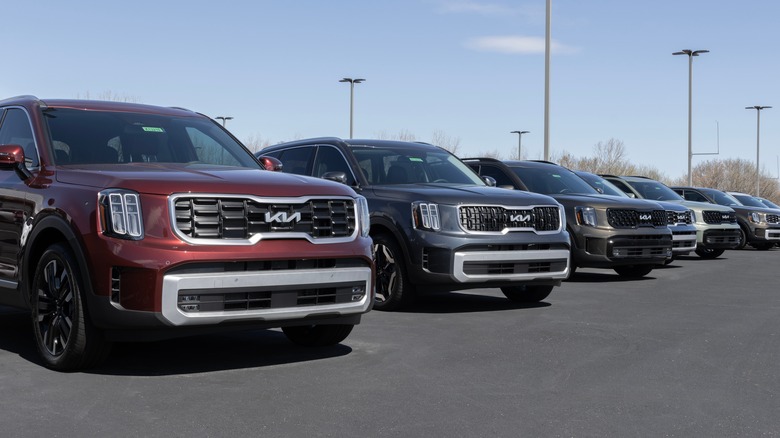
(126, 221)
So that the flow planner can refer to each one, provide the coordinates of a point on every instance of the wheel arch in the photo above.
(48, 231)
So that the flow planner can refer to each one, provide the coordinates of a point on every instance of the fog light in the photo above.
(358, 292)
(616, 252)
(190, 307)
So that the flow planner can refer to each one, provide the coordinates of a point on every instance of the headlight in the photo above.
(425, 216)
(585, 215)
(363, 216)
(120, 214)
(756, 217)
(693, 216)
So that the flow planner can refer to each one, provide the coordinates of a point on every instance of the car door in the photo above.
(15, 128)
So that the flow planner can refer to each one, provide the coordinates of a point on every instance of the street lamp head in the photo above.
(757, 107)
(690, 52)
(520, 132)
(352, 81)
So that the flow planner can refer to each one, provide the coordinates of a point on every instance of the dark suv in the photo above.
(126, 221)
(437, 225)
(630, 236)
(759, 227)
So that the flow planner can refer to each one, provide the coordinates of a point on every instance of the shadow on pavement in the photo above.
(186, 355)
(454, 302)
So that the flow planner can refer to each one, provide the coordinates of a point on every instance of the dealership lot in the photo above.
(691, 350)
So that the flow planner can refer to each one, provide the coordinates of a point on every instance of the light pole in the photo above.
(547, 48)
(520, 142)
(352, 83)
(691, 54)
(758, 128)
(224, 120)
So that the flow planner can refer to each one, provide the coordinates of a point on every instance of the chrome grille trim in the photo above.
(225, 219)
(501, 219)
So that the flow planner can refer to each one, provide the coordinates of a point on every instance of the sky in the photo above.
(468, 71)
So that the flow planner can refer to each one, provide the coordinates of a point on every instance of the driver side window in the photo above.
(15, 129)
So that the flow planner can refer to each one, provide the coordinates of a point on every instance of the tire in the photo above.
(318, 335)
(530, 293)
(709, 253)
(393, 289)
(742, 239)
(633, 271)
(66, 339)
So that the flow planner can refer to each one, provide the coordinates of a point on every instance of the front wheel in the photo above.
(393, 289)
(742, 239)
(318, 335)
(528, 293)
(709, 253)
(633, 271)
(65, 337)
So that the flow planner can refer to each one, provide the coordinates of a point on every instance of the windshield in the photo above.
(749, 201)
(92, 137)
(769, 203)
(602, 185)
(553, 180)
(385, 165)
(655, 191)
(723, 198)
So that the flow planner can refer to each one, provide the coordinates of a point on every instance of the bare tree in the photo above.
(732, 174)
(255, 143)
(441, 139)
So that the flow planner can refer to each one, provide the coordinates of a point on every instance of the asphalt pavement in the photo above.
(690, 351)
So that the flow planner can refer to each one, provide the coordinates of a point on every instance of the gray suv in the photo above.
(630, 236)
(436, 225)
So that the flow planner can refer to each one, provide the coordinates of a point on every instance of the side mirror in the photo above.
(271, 163)
(489, 180)
(12, 158)
(339, 177)
(631, 195)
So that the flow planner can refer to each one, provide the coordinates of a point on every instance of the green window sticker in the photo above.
(152, 129)
(419, 160)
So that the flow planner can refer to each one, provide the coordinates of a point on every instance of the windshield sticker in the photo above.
(152, 129)
(419, 160)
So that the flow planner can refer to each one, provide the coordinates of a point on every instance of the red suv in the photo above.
(127, 221)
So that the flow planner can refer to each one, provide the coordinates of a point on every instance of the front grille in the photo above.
(678, 217)
(719, 217)
(243, 218)
(773, 218)
(619, 218)
(497, 219)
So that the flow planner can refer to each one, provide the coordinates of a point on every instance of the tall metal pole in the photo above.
(691, 54)
(520, 143)
(352, 83)
(224, 120)
(547, 83)
(758, 109)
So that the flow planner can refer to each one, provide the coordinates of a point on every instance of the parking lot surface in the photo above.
(691, 350)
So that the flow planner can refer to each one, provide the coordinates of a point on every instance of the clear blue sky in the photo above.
(471, 69)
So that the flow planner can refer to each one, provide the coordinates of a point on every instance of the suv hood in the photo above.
(606, 201)
(461, 194)
(169, 178)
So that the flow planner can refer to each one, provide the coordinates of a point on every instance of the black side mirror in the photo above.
(339, 177)
(489, 180)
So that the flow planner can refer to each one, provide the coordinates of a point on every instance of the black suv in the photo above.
(630, 236)
(437, 225)
(760, 227)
